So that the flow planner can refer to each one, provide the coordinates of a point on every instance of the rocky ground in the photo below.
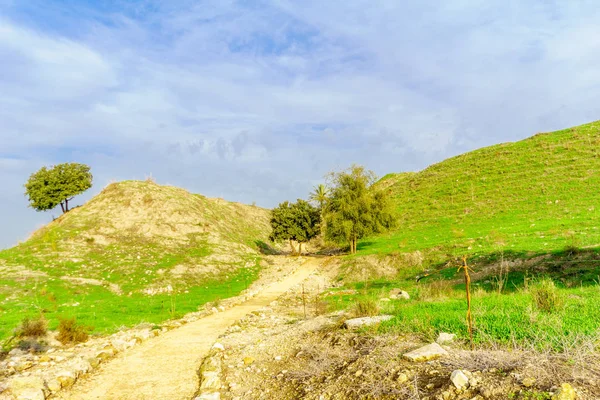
(277, 353)
(295, 348)
(48, 366)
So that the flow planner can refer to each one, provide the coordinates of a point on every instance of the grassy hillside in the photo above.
(525, 214)
(136, 252)
(537, 195)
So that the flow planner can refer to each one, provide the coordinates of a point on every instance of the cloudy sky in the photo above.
(256, 100)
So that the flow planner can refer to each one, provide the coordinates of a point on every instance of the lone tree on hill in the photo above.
(56, 185)
(294, 222)
(354, 208)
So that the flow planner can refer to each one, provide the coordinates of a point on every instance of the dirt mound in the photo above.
(151, 234)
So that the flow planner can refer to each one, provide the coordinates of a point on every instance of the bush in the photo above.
(365, 307)
(546, 296)
(33, 327)
(32, 345)
(70, 332)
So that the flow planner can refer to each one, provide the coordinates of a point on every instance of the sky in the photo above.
(255, 101)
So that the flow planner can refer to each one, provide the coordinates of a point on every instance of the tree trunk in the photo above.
(353, 245)
(63, 207)
(299, 248)
(66, 205)
(293, 248)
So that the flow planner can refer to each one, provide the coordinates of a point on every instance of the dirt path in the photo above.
(166, 367)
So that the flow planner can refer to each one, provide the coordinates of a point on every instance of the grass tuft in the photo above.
(546, 296)
(365, 307)
(33, 328)
(69, 331)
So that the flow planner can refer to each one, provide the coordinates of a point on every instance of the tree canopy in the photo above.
(354, 208)
(49, 187)
(294, 222)
(319, 195)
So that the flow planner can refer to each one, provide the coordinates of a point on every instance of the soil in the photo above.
(166, 367)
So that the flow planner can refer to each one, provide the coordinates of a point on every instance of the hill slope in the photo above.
(133, 247)
(537, 195)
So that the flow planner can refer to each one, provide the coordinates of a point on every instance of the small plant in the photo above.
(71, 332)
(32, 345)
(33, 328)
(147, 199)
(321, 306)
(546, 296)
(365, 307)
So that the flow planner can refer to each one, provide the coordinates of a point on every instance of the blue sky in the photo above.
(257, 100)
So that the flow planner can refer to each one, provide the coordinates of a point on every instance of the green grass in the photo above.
(510, 319)
(106, 312)
(538, 195)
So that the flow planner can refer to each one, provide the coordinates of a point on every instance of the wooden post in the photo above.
(465, 268)
(304, 301)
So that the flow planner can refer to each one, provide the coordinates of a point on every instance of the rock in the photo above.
(27, 388)
(248, 360)
(210, 377)
(366, 321)
(145, 334)
(53, 385)
(402, 378)
(445, 338)
(218, 346)
(103, 355)
(459, 379)
(22, 366)
(399, 294)
(31, 394)
(528, 382)
(79, 366)
(121, 344)
(566, 392)
(426, 353)
(209, 396)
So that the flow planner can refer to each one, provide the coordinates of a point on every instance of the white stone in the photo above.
(218, 346)
(27, 388)
(31, 394)
(444, 337)
(366, 321)
(426, 353)
(209, 396)
(459, 379)
(399, 294)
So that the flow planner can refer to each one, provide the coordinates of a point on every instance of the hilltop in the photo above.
(537, 195)
(135, 247)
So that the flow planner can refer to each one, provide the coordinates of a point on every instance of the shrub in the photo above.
(546, 296)
(32, 345)
(70, 332)
(33, 327)
(365, 307)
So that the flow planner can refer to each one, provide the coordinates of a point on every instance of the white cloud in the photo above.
(255, 102)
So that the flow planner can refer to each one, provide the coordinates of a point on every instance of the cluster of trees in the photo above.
(57, 185)
(347, 209)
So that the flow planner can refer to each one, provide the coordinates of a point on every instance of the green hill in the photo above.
(541, 194)
(526, 216)
(136, 252)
